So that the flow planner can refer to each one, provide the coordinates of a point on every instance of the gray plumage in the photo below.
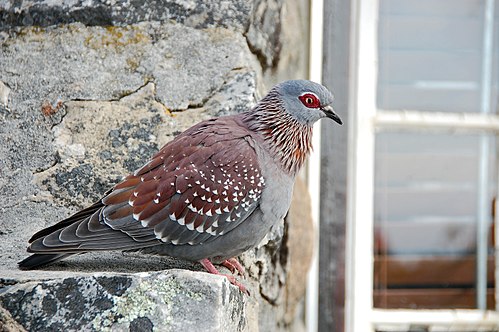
(210, 194)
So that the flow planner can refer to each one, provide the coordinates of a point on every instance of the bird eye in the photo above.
(310, 100)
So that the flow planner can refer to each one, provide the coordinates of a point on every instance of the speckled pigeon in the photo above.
(210, 194)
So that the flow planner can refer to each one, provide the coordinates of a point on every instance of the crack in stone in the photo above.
(7, 283)
(272, 302)
(129, 93)
(58, 121)
(201, 104)
(267, 52)
(211, 94)
(120, 98)
(56, 160)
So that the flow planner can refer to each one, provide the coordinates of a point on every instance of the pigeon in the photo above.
(209, 195)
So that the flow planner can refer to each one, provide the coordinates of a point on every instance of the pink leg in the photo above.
(233, 264)
(208, 265)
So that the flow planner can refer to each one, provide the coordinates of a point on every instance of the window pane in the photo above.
(426, 201)
(431, 55)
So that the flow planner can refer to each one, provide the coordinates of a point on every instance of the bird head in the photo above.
(306, 101)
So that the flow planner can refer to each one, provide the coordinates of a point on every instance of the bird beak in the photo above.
(329, 111)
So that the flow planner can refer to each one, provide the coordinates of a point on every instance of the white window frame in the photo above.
(364, 121)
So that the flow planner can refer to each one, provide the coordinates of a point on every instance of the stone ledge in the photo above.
(170, 300)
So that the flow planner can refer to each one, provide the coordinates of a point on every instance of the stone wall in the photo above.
(88, 91)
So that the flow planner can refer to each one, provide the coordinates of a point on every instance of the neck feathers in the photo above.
(288, 140)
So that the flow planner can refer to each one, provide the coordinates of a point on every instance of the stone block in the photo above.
(173, 300)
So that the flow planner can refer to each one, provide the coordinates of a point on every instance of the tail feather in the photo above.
(83, 232)
(39, 260)
(81, 215)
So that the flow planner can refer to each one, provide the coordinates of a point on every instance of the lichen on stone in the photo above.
(146, 298)
(117, 37)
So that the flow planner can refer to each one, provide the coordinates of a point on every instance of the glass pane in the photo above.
(431, 55)
(427, 192)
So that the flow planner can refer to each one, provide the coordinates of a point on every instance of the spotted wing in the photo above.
(198, 187)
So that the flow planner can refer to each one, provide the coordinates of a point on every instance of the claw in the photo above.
(233, 264)
(208, 265)
(233, 281)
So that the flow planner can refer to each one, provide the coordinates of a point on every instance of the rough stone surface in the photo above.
(260, 21)
(174, 300)
(88, 91)
(7, 323)
(198, 14)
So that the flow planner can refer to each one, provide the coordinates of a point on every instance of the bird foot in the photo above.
(233, 264)
(208, 265)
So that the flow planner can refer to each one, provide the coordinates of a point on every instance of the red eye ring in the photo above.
(310, 100)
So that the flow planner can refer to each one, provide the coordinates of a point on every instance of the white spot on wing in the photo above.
(211, 231)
